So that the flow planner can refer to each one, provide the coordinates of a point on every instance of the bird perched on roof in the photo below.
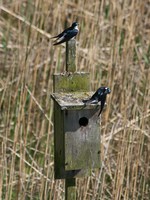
(98, 96)
(67, 34)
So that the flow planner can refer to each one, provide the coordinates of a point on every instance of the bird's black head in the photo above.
(107, 90)
(75, 24)
(103, 91)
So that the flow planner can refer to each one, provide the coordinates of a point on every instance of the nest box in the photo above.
(76, 127)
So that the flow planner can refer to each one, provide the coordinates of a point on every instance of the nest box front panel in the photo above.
(82, 139)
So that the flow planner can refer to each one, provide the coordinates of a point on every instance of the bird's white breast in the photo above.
(76, 27)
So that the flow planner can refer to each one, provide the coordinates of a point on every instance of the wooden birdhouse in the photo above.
(76, 127)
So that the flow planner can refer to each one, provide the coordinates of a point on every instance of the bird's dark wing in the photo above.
(94, 96)
(90, 101)
(101, 93)
(63, 40)
(93, 99)
(102, 104)
(61, 34)
(67, 36)
(98, 94)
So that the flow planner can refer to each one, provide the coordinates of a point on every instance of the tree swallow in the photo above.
(67, 34)
(98, 96)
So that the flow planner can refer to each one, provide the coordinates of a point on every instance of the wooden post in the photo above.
(71, 56)
(70, 189)
(70, 183)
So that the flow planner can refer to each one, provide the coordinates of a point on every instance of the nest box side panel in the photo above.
(58, 141)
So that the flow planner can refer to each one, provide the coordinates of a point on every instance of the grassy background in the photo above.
(114, 46)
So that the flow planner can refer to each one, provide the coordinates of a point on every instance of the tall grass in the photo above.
(114, 46)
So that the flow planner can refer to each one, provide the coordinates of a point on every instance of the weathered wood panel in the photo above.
(71, 82)
(82, 144)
